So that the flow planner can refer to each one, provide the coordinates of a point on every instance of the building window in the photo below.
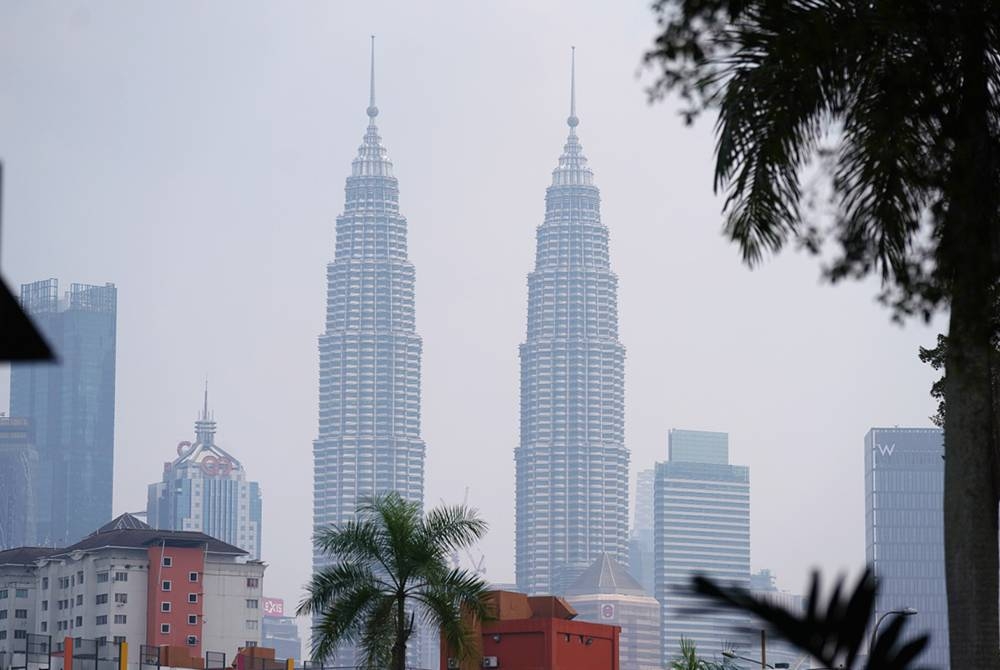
(121, 576)
(79, 621)
(119, 639)
(165, 585)
(168, 561)
(102, 620)
(101, 599)
(192, 640)
(20, 593)
(192, 576)
(165, 607)
(251, 624)
(20, 634)
(45, 582)
(253, 582)
(250, 643)
(165, 628)
(3, 594)
(102, 577)
(45, 605)
(121, 598)
(3, 635)
(20, 614)
(45, 626)
(120, 618)
(3, 614)
(192, 597)
(192, 619)
(79, 577)
(79, 599)
(252, 603)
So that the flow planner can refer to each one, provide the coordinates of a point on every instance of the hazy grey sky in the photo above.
(194, 153)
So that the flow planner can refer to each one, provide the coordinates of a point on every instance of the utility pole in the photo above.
(763, 649)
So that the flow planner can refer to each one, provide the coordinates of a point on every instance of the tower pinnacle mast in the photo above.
(372, 109)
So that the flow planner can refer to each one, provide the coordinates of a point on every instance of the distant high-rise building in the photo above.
(779, 650)
(640, 544)
(205, 489)
(702, 525)
(18, 467)
(280, 632)
(606, 593)
(572, 464)
(71, 406)
(904, 530)
(369, 379)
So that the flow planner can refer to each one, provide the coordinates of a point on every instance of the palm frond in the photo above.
(343, 619)
(454, 603)
(454, 526)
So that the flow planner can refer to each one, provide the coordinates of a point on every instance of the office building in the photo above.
(701, 525)
(280, 632)
(640, 543)
(904, 530)
(71, 406)
(129, 582)
(369, 378)
(571, 463)
(206, 489)
(605, 593)
(18, 474)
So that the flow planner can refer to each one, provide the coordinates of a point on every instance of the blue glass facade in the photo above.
(701, 524)
(71, 404)
(904, 529)
(571, 464)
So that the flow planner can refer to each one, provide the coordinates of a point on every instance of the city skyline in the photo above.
(663, 389)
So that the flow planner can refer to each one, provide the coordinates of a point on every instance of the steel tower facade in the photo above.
(369, 378)
(572, 464)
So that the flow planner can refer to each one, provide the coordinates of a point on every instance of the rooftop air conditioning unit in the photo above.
(490, 662)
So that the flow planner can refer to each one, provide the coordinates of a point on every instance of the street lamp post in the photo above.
(731, 655)
(906, 611)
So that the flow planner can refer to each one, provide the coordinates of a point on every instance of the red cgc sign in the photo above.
(274, 607)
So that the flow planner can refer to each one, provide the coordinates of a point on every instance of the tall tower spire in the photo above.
(204, 411)
(572, 121)
(372, 109)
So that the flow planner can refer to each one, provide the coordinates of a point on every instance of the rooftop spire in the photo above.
(372, 109)
(572, 121)
(204, 412)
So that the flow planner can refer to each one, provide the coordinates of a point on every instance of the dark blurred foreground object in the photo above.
(834, 632)
(19, 338)
(896, 103)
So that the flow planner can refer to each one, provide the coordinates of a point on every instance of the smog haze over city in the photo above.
(194, 154)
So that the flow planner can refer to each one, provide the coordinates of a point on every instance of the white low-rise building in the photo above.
(128, 582)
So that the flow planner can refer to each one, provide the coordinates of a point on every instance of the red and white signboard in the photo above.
(274, 607)
(607, 611)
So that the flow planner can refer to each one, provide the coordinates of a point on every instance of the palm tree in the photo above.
(389, 563)
(898, 101)
(689, 659)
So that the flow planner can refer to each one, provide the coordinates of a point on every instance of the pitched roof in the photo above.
(24, 555)
(123, 522)
(138, 538)
(605, 575)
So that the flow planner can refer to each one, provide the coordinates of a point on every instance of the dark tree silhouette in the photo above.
(833, 632)
(898, 99)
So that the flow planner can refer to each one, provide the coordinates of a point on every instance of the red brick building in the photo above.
(539, 633)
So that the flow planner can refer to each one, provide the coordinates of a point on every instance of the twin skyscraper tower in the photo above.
(572, 464)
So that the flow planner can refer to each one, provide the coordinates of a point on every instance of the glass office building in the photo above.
(18, 467)
(71, 406)
(904, 530)
(701, 525)
(571, 463)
